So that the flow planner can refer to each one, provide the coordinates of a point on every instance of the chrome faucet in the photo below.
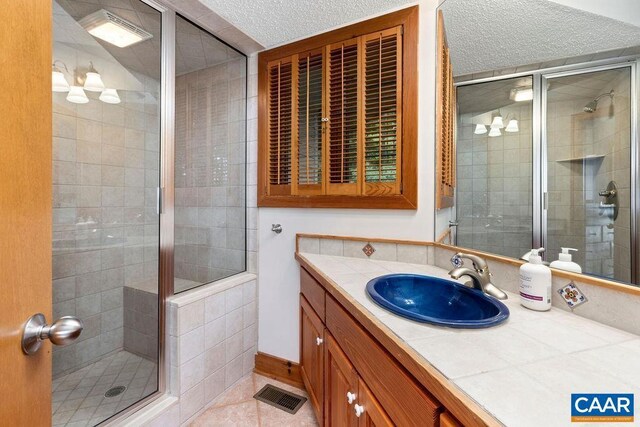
(480, 274)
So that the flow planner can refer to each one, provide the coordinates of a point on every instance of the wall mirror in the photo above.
(544, 96)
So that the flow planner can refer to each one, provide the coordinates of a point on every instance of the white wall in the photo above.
(278, 278)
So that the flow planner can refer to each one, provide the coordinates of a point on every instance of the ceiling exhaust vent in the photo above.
(113, 29)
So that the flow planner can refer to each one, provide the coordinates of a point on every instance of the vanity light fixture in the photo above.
(110, 96)
(512, 126)
(522, 94)
(480, 129)
(113, 29)
(93, 81)
(495, 132)
(58, 81)
(497, 123)
(77, 95)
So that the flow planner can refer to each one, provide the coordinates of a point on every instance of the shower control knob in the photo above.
(63, 331)
(607, 193)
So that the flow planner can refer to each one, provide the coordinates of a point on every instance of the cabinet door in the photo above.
(368, 409)
(341, 391)
(312, 356)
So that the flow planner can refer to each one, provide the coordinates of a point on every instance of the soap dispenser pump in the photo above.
(535, 283)
(564, 261)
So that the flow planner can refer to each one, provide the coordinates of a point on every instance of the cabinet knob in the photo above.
(359, 410)
(351, 397)
(319, 341)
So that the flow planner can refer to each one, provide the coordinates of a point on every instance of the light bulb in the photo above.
(495, 132)
(93, 82)
(512, 126)
(480, 129)
(497, 123)
(110, 96)
(58, 82)
(77, 95)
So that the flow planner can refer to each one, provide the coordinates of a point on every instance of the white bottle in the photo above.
(535, 283)
(564, 261)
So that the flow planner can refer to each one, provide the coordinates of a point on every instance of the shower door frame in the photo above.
(542, 191)
(539, 143)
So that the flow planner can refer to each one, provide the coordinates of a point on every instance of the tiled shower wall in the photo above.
(210, 171)
(105, 174)
(494, 188)
(212, 340)
(575, 218)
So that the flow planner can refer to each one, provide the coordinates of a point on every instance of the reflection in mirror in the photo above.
(546, 130)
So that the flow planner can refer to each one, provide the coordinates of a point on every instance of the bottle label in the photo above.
(530, 297)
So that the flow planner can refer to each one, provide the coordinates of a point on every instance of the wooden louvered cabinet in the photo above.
(337, 118)
(445, 124)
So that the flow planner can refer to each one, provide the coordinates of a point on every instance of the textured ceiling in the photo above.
(495, 34)
(273, 22)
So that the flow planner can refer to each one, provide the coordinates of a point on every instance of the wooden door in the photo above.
(341, 379)
(312, 356)
(25, 207)
(373, 414)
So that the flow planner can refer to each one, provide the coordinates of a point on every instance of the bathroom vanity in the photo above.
(362, 365)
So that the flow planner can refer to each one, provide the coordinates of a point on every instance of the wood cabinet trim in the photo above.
(465, 409)
(313, 293)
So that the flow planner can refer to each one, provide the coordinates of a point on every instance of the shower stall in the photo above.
(549, 159)
(149, 116)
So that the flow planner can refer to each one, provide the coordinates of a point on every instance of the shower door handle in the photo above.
(62, 332)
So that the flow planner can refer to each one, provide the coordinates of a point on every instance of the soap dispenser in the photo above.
(535, 283)
(564, 261)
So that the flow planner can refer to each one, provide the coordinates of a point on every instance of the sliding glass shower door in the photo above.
(106, 168)
(548, 160)
(587, 137)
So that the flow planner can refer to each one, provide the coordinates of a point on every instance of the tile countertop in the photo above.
(523, 371)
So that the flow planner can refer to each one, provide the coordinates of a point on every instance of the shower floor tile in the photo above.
(79, 397)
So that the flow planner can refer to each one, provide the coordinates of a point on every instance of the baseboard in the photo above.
(279, 369)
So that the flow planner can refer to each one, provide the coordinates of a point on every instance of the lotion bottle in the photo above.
(564, 261)
(535, 283)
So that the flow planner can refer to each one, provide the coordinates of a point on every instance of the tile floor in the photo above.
(237, 407)
(78, 397)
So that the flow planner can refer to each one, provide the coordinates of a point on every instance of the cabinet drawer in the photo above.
(313, 292)
(405, 402)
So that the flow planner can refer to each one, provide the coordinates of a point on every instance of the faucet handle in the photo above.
(456, 261)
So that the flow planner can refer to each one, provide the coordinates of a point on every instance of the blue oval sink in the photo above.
(438, 301)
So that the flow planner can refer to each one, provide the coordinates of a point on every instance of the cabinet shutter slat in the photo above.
(343, 116)
(445, 125)
(382, 106)
(310, 93)
(280, 124)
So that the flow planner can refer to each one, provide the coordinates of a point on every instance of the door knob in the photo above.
(63, 331)
(351, 397)
(319, 341)
(359, 410)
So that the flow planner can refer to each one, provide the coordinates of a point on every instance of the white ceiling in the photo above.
(274, 22)
(496, 34)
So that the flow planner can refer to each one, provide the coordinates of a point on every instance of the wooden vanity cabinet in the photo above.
(341, 389)
(351, 379)
(312, 336)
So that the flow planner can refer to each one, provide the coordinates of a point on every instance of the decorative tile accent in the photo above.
(368, 249)
(572, 295)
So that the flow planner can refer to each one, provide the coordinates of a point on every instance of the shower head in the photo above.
(593, 105)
